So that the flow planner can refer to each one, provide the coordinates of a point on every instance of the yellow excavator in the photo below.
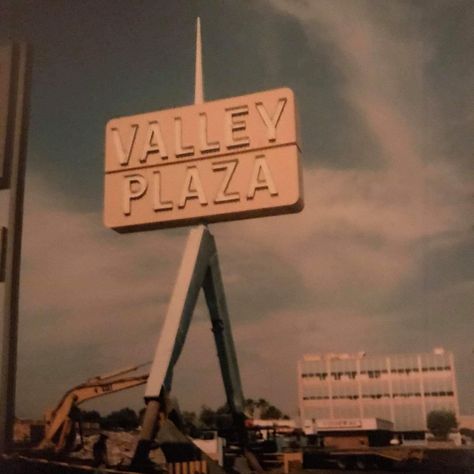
(60, 421)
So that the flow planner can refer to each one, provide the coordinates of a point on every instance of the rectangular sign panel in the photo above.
(223, 160)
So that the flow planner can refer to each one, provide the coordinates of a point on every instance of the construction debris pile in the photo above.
(120, 447)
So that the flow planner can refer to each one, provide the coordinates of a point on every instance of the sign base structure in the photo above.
(199, 269)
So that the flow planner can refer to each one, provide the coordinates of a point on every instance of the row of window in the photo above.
(434, 369)
(371, 373)
(378, 396)
(449, 393)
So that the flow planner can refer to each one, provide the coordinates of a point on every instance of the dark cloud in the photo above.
(449, 75)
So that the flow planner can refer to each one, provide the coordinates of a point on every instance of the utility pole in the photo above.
(15, 78)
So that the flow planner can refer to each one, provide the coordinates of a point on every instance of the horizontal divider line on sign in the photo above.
(177, 161)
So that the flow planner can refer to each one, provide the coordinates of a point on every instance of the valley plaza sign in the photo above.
(221, 160)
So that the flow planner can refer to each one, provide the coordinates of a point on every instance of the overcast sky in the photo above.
(379, 260)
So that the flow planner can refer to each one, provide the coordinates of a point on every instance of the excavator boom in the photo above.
(60, 421)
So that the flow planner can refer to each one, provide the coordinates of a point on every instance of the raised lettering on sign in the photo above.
(221, 160)
(137, 187)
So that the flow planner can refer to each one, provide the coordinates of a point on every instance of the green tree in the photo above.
(126, 418)
(262, 406)
(91, 416)
(441, 422)
(249, 406)
(223, 409)
(190, 423)
(189, 417)
(263, 409)
(272, 413)
(207, 418)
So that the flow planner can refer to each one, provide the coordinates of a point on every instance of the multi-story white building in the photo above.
(401, 388)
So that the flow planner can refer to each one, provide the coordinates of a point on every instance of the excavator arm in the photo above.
(60, 422)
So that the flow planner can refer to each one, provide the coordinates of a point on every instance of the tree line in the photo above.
(206, 419)
(439, 422)
(126, 419)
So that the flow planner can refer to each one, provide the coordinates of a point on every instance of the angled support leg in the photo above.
(216, 302)
(199, 269)
(192, 270)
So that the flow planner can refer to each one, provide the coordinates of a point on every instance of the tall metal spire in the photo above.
(198, 76)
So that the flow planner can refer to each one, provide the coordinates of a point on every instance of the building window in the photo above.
(374, 374)
(376, 396)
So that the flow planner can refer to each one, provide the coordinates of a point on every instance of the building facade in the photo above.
(401, 388)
